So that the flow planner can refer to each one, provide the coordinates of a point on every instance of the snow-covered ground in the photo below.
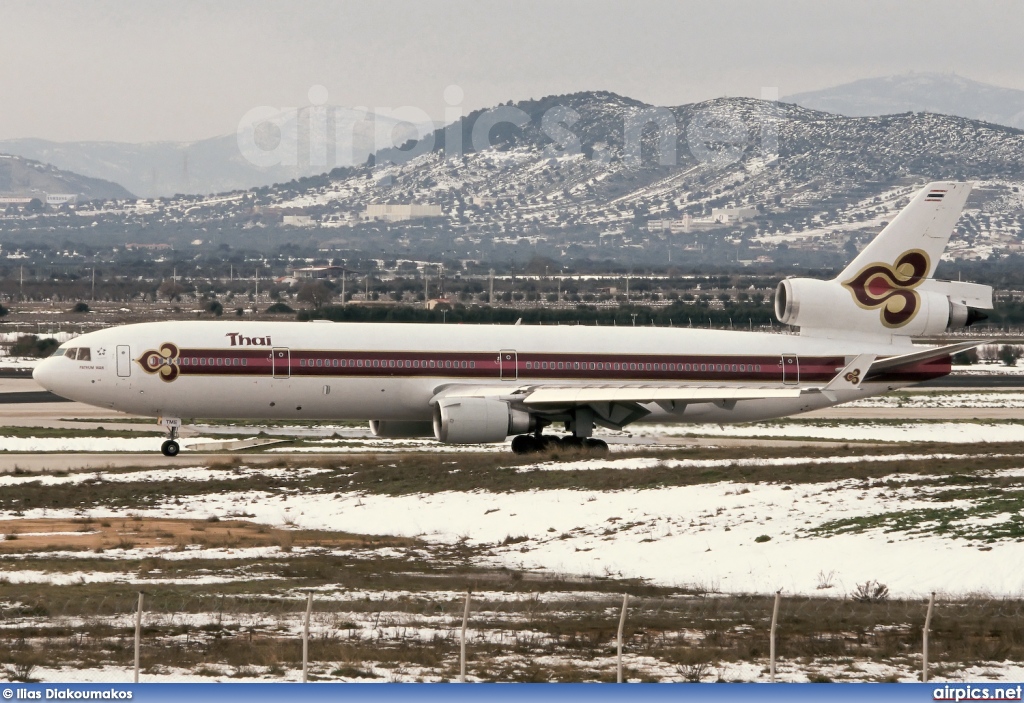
(705, 536)
(840, 431)
(97, 444)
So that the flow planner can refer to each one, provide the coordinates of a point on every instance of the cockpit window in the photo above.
(80, 353)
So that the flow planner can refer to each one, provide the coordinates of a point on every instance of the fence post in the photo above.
(924, 649)
(622, 624)
(305, 638)
(462, 655)
(775, 619)
(138, 636)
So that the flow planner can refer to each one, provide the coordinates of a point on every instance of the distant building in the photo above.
(317, 272)
(680, 226)
(400, 213)
(134, 246)
(51, 199)
(438, 304)
(728, 215)
(297, 221)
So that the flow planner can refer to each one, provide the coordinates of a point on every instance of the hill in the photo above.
(216, 165)
(570, 176)
(20, 176)
(941, 93)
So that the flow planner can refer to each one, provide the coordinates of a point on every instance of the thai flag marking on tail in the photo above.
(935, 196)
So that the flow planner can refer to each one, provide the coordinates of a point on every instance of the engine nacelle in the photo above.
(477, 420)
(815, 305)
(398, 429)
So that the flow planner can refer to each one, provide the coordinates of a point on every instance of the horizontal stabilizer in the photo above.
(974, 295)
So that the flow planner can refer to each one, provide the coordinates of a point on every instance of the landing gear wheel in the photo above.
(170, 448)
(548, 441)
(525, 444)
(597, 446)
(571, 442)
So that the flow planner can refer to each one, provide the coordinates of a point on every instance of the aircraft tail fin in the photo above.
(888, 289)
(917, 236)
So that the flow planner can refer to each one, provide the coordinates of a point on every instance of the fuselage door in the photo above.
(281, 362)
(124, 360)
(790, 369)
(507, 366)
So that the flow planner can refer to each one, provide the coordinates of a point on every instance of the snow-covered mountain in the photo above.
(566, 173)
(941, 93)
(803, 170)
(25, 177)
(162, 169)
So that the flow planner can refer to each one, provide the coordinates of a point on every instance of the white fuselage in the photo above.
(349, 371)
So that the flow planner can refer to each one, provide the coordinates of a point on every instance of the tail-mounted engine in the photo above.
(880, 305)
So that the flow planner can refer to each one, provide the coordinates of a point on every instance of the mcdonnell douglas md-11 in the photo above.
(483, 383)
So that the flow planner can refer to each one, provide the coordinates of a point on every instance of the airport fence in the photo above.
(168, 635)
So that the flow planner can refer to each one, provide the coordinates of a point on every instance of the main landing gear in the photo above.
(535, 443)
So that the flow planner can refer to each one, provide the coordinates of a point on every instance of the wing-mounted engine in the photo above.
(880, 304)
(477, 420)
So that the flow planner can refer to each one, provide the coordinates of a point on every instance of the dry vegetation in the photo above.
(390, 608)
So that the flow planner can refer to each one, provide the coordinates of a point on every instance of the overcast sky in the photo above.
(140, 71)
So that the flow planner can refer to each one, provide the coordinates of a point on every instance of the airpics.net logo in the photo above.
(320, 135)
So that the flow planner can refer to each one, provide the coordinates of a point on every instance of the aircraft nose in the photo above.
(45, 374)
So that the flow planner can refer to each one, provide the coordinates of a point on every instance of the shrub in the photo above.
(214, 307)
(1009, 354)
(31, 345)
(870, 592)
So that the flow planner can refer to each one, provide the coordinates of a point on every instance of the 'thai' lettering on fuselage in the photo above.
(240, 340)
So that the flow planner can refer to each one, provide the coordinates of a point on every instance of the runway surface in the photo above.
(25, 404)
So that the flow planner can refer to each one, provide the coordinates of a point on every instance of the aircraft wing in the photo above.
(614, 406)
(536, 395)
(895, 362)
(584, 395)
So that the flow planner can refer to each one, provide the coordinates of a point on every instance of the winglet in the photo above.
(850, 377)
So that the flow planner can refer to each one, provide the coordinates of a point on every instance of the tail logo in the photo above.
(891, 288)
(853, 377)
(163, 362)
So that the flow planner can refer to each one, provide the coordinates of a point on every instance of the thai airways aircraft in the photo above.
(483, 383)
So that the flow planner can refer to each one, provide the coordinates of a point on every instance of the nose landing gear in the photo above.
(170, 447)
